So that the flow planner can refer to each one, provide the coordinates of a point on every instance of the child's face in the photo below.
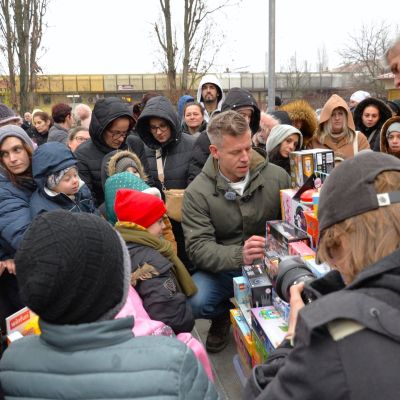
(156, 229)
(69, 183)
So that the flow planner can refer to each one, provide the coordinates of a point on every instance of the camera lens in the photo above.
(291, 271)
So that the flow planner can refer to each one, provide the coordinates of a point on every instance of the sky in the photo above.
(117, 37)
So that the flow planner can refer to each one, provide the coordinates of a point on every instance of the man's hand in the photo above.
(296, 304)
(253, 249)
(10, 265)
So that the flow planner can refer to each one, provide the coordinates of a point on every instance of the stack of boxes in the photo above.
(261, 317)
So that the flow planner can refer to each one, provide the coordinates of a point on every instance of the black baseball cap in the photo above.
(349, 190)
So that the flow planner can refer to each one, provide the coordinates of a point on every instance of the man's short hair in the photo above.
(226, 123)
(60, 111)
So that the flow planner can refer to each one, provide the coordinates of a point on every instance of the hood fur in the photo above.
(384, 145)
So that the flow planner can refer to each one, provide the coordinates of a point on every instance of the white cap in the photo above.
(359, 96)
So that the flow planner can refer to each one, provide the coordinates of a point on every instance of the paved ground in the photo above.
(226, 379)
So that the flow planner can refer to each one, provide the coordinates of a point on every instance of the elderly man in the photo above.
(224, 213)
(393, 60)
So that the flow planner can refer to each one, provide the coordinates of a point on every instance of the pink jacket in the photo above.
(145, 326)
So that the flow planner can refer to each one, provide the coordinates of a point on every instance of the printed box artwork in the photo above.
(303, 163)
(293, 210)
(285, 233)
(259, 354)
(274, 251)
(269, 326)
(260, 285)
(24, 321)
(241, 290)
(281, 306)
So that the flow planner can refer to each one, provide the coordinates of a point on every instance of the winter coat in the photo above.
(216, 228)
(101, 360)
(160, 292)
(58, 134)
(346, 344)
(342, 147)
(200, 153)
(39, 138)
(91, 153)
(175, 152)
(202, 128)
(15, 216)
(46, 160)
(372, 133)
(221, 96)
(384, 145)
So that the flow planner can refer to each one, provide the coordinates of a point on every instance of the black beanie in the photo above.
(71, 268)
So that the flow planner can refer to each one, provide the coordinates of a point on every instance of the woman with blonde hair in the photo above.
(336, 130)
(346, 342)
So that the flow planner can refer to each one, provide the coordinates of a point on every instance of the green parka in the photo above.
(216, 228)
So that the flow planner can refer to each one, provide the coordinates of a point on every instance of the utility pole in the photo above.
(271, 56)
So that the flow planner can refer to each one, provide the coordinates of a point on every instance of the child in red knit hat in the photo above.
(158, 275)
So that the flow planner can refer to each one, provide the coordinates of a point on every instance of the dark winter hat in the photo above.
(16, 131)
(124, 163)
(138, 207)
(349, 190)
(7, 116)
(73, 268)
(281, 116)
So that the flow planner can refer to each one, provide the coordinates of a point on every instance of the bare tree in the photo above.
(296, 78)
(198, 50)
(22, 23)
(364, 54)
(322, 57)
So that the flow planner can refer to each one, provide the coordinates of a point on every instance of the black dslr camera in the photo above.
(291, 271)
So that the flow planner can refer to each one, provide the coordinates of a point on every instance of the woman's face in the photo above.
(289, 144)
(41, 125)
(193, 116)
(337, 120)
(370, 116)
(394, 141)
(160, 129)
(115, 134)
(14, 155)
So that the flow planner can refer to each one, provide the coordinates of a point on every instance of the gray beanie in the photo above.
(7, 115)
(124, 163)
(395, 127)
(279, 133)
(14, 130)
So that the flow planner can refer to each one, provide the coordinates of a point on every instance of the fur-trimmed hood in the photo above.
(384, 113)
(301, 110)
(384, 145)
(110, 160)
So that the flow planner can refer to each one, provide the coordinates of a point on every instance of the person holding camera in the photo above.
(346, 342)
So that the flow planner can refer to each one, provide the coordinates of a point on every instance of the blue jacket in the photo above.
(49, 158)
(15, 216)
(102, 360)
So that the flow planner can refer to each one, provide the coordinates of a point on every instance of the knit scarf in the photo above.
(134, 233)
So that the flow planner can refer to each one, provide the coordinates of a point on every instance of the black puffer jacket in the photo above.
(175, 153)
(161, 297)
(372, 133)
(90, 154)
(235, 98)
(347, 343)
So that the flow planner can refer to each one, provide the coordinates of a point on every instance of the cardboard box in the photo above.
(269, 326)
(274, 251)
(301, 249)
(260, 285)
(292, 209)
(281, 306)
(303, 163)
(24, 321)
(285, 233)
(241, 290)
(318, 270)
(260, 354)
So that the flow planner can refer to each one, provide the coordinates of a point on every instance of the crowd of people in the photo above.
(88, 242)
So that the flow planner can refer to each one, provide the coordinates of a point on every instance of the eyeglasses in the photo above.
(81, 139)
(161, 127)
(118, 134)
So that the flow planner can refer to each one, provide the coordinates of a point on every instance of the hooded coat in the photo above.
(301, 110)
(372, 133)
(216, 228)
(91, 153)
(235, 99)
(221, 96)
(384, 145)
(346, 344)
(344, 147)
(175, 152)
(48, 159)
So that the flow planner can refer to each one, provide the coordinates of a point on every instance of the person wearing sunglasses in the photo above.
(110, 129)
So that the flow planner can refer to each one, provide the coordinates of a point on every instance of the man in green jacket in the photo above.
(225, 210)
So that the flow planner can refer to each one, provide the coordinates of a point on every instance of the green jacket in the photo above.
(216, 228)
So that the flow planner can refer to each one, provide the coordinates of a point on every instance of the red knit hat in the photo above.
(141, 208)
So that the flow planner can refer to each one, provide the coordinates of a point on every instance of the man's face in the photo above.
(393, 60)
(209, 92)
(233, 155)
(246, 112)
